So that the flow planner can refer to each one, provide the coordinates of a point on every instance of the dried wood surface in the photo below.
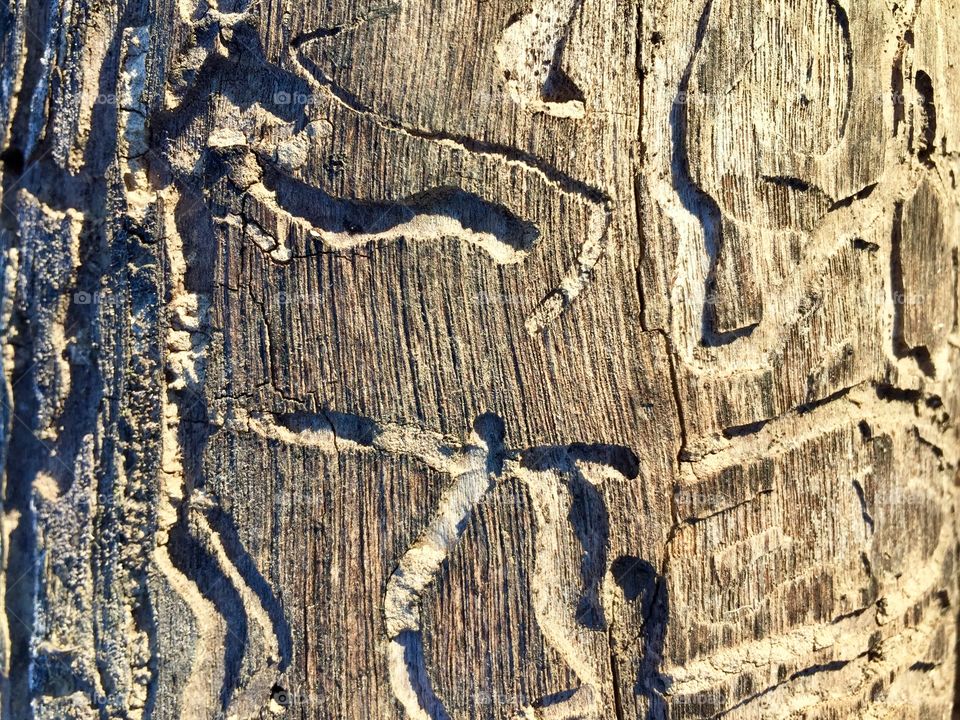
(479, 359)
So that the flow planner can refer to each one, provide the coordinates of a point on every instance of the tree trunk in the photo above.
(479, 359)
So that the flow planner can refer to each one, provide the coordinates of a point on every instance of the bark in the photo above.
(562, 359)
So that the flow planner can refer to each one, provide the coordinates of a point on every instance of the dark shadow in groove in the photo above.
(492, 431)
(844, 22)
(562, 458)
(619, 457)
(735, 431)
(861, 244)
(555, 699)
(640, 582)
(928, 124)
(588, 514)
(195, 562)
(812, 405)
(920, 354)
(558, 86)
(362, 217)
(700, 204)
(223, 524)
(591, 523)
(892, 393)
(23, 456)
(785, 181)
(864, 506)
(896, 91)
(861, 194)
(13, 160)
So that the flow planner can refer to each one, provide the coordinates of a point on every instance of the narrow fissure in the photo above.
(24, 457)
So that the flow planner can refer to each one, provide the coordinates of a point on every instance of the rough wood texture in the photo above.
(562, 359)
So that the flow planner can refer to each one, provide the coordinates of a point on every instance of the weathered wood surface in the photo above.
(575, 358)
